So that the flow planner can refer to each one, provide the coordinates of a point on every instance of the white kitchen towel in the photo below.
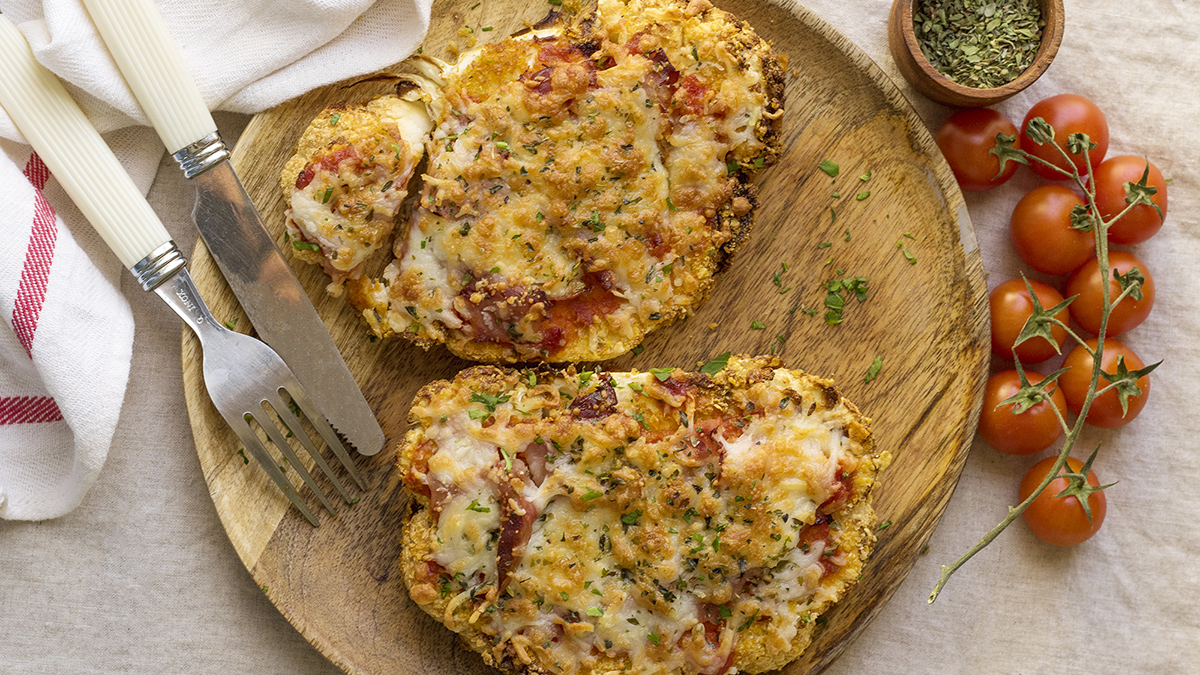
(67, 339)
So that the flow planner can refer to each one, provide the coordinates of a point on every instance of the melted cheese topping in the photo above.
(347, 180)
(662, 517)
(579, 184)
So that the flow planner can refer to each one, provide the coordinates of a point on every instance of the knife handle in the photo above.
(79, 159)
(153, 65)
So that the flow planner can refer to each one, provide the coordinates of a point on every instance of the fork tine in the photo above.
(285, 449)
(250, 440)
(286, 416)
(318, 421)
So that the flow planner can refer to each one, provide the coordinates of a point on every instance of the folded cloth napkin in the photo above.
(67, 340)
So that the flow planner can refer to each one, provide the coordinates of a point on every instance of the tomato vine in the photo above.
(1039, 324)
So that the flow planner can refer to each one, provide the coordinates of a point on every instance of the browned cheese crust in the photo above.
(585, 181)
(662, 522)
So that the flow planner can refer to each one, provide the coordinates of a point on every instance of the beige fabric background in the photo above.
(141, 579)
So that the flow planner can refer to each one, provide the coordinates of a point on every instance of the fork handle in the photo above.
(81, 162)
(152, 63)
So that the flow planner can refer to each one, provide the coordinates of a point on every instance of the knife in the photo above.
(153, 66)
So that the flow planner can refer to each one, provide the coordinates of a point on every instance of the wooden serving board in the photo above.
(339, 584)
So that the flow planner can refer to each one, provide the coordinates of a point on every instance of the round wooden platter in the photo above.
(339, 584)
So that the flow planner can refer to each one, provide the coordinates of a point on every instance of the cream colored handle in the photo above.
(74, 152)
(153, 65)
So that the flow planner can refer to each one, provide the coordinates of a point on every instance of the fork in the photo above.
(245, 378)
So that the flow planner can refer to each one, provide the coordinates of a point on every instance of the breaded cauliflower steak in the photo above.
(662, 522)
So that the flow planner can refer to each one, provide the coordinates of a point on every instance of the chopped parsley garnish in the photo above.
(595, 611)
(305, 246)
(637, 350)
(747, 622)
(756, 325)
(829, 167)
(663, 374)
(333, 119)
(865, 177)
(590, 495)
(873, 370)
(653, 637)
(884, 525)
(862, 195)
(474, 506)
(839, 290)
(631, 518)
(490, 401)
(716, 365)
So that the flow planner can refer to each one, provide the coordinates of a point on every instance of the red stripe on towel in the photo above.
(38, 255)
(28, 410)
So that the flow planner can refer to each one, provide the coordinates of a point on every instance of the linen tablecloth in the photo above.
(141, 579)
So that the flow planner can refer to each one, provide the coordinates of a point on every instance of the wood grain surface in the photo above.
(339, 584)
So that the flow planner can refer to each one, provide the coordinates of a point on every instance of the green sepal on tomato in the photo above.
(1033, 429)
(1117, 180)
(1088, 307)
(1011, 307)
(1119, 405)
(1069, 114)
(1057, 516)
(967, 139)
(1043, 232)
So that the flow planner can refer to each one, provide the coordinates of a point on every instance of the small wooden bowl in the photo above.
(921, 74)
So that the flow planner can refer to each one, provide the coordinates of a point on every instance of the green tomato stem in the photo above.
(1100, 235)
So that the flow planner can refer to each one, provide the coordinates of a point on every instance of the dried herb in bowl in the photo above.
(979, 43)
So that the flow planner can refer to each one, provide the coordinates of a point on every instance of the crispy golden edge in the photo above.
(856, 535)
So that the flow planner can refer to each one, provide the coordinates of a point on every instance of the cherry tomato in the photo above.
(1042, 234)
(1142, 221)
(1106, 409)
(1068, 114)
(1061, 521)
(1025, 433)
(1010, 307)
(1089, 306)
(967, 138)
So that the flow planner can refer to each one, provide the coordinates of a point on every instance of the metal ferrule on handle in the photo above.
(161, 264)
(204, 154)
(153, 65)
(74, 152)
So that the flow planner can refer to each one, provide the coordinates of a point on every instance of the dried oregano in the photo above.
(979, 43)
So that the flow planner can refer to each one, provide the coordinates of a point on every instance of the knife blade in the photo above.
(278, 307)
